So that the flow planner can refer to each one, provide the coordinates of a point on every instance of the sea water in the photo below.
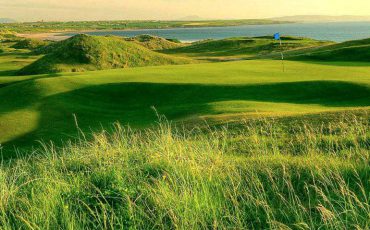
(333, 31)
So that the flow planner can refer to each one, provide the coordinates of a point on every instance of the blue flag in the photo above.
(277, 36)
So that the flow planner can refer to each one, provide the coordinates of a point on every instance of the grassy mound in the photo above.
(243, 47)
(84, 53)
(46, 49)
(30, 44)
(155, 43)
(261, 176)
(358, 50)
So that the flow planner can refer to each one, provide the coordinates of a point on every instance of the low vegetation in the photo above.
(244, 47)
(347, 51)
(30, 44)
(294, 48)
(4, 34)
(126, 24)
(155, 43)
(350, 51)
(261, 175)
(46, 49)
(82, 53)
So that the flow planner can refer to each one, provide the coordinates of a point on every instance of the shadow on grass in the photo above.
(7, 73)
(20, 94)
(131, 103)
(333, 63)
(19, 54)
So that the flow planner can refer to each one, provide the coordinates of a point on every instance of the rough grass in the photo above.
(81, 53)
(155, 43)
(46, 49)
(30, 44)
(358, 50)
(243, 47)
(6, 34)
(261, 175)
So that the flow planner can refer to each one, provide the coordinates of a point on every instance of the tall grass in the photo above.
(259, 175)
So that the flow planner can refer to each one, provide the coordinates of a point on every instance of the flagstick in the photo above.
(282, 55)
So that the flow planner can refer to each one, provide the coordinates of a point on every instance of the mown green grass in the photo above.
(11, 61)
(262, 175)
(43, 107)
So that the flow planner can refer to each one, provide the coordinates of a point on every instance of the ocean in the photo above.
(333, 31)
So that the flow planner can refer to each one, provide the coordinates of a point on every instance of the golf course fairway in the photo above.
(44, 107)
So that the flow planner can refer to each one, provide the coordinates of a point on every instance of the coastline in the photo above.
(318, 31)
(61, 35)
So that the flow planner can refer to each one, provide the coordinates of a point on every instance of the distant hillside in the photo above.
(243, 47)
(84, 53)
(155, 43)
(358, 50)
(192, 18)
(323, 18)
(130, 24)
(7, 20)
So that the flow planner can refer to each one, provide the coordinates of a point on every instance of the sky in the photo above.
(67, 10)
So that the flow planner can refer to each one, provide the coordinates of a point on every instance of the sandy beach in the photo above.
(45, 36)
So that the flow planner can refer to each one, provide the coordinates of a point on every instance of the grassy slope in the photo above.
(358, 50)
(82, 52)
(43, 108)
(11, 61)
(243, 47)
